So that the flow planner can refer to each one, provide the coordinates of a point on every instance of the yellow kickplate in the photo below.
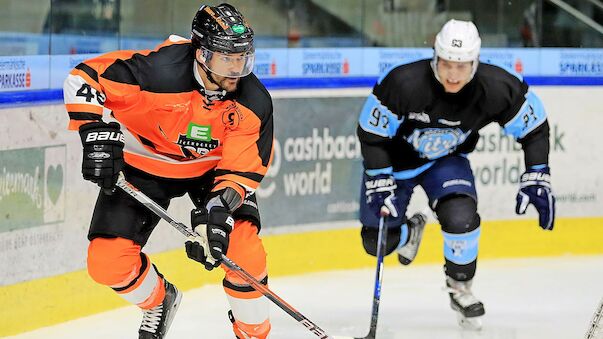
(44, 302)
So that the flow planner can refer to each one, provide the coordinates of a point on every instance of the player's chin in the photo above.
(230, 84)
(453, 87)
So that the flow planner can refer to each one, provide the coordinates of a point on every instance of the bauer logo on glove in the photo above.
(535, 189)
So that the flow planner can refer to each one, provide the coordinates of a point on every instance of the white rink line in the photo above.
(526, 298)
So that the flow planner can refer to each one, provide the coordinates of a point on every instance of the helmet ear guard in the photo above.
(457, 41)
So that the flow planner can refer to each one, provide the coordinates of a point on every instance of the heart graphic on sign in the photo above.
(54, 182)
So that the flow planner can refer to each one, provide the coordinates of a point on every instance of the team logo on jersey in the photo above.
(232, 116)
(433, 143)
(422, 117)
(198, 141)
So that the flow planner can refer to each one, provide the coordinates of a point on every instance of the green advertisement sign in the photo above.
(32, 187)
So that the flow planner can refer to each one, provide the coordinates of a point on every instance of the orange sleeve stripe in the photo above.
(238, 179)
(84, 108)
(238, 188)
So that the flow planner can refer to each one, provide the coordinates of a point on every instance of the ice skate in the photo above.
(156, 321)
(416, 226)
(469, 309)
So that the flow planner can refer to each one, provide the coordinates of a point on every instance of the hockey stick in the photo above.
(594, 327)
(381, 241)
(182, 228)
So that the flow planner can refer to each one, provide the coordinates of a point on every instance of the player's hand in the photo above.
(535, 189)
(380, 192)
(213, 230)
(103, 157)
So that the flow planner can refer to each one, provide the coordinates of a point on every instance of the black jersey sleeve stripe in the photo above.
(249, 175)
(265, 140)
(88, 70)
(120, 72)
(84, 116)
(154, 72)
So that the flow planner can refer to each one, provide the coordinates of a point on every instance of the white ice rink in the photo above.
(529, 299)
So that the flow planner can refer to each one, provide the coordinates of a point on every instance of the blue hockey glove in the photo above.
(535, 189)
(380, 192)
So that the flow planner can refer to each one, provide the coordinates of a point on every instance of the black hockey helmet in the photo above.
(221, 29)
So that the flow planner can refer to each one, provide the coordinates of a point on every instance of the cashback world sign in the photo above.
(316, 171)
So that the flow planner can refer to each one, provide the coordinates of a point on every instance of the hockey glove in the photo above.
(213, 230)
(103, 157)
(380, 191)
(535, 189)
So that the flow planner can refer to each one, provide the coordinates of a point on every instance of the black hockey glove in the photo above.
(535, 189)
(103, 153)
(213, 230)
(380, 192)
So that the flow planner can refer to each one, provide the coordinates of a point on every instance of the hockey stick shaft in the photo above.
(594, 324)
(381, 243)
(258, 286)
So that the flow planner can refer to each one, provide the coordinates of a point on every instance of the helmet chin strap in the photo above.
(209, 76)
(211, 95)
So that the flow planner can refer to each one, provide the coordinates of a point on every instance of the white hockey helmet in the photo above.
(458, 41)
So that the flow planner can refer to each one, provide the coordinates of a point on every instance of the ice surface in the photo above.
(550, 298)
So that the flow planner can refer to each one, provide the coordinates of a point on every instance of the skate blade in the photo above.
(472, 324)
(173, 311)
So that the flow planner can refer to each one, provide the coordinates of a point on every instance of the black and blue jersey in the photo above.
(409, 121)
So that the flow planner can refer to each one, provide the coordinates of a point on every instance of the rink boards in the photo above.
(312, 188)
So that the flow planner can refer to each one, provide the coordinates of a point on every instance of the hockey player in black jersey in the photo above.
(417, 127)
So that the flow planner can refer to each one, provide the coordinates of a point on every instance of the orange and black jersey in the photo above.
(172, 130)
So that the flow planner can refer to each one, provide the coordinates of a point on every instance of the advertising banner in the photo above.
(24, 73)
(32, 187)
(571, 62)
(315, 174)
(44, 72)
(271, 63)
(523, 61)
(325, 62)
(379, 60)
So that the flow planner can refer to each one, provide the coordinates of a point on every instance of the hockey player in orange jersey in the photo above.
(186, 118)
